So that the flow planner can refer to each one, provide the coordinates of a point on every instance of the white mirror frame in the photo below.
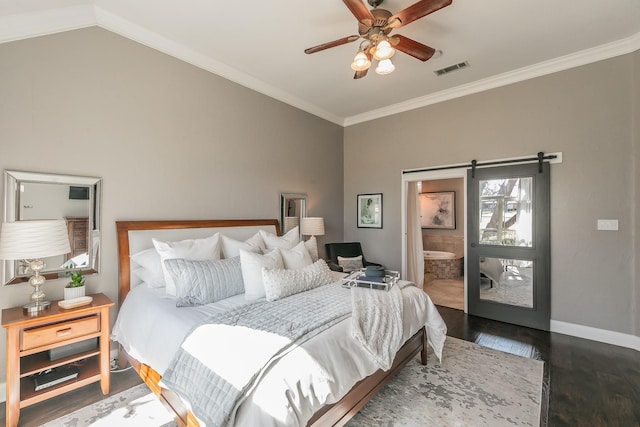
(12, 183)
(300, 199)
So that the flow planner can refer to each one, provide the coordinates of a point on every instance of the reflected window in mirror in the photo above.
(76, 199)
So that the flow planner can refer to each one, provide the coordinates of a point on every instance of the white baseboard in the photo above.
(595, 334)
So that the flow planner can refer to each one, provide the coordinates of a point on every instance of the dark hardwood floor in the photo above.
(586, 383)
(40, 413)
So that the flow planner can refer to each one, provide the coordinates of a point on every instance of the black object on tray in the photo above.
(374, 271)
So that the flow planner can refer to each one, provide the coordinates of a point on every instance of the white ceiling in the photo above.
(260, 44)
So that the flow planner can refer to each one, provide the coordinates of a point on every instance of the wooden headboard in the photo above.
(176, 230)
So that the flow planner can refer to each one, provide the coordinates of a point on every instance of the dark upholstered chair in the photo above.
(347, 250)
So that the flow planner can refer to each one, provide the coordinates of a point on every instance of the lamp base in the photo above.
(36, 307)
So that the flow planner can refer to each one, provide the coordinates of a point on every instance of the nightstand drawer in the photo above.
(51, 334)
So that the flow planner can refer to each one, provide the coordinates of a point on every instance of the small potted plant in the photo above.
(75, 288)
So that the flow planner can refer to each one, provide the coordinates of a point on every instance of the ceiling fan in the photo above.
(374, 27)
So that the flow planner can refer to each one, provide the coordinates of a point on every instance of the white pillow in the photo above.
(312, 247)
(150, 277)
(150, 270)
(295, 258)
(252, 265)
(203, 282)
(287, 241)
(231, 247)
(279, 283)
(350, 264)
(190, 249)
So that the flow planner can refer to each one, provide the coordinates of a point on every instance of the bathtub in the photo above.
(438, 255)
(443, 265)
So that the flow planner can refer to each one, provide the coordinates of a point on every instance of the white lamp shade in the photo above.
(385, 67)
(360, 62)
(33, 239)
(312, 226)
(383, 51)
(290, 222)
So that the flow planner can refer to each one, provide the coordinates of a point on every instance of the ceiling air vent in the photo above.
(451, 68)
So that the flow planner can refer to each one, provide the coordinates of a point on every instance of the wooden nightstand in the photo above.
(29, 337)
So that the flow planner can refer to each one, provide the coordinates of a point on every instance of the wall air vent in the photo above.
(451, 68)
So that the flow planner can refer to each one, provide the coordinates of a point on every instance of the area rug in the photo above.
(135, 407)
(473, 386)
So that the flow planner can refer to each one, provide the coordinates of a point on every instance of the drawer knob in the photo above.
(63, 332)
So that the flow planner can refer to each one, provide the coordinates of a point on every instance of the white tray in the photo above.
(359, 280)
(75, 302)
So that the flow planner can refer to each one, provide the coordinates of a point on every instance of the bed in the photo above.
(150, 360)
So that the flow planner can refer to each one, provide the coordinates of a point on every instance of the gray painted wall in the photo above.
(588, 114)
(170, 140)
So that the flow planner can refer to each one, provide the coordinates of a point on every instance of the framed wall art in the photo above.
(370, 210)
(438, 210)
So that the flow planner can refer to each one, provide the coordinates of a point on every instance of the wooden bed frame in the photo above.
(336, 414)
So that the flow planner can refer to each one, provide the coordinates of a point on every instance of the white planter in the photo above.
(71, 293)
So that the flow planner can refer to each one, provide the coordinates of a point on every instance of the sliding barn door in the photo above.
(508, 244)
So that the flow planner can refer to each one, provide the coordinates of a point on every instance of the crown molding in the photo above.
(44, 22)
(116, 24)
(40, 23)
(583, 57)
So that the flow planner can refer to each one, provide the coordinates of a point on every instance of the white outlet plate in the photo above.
(608, 224)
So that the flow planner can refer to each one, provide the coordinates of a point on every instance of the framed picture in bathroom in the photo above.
(438, 210)
(370, 210)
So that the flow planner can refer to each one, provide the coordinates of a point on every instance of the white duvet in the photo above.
(318, 372)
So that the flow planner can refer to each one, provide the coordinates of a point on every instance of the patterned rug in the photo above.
(474, 386)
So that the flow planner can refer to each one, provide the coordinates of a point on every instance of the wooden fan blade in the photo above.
(416, 11)
(334, 43)
(412, 47)
(359, 10)
(360, 74)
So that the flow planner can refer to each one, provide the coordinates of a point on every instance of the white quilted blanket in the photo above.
(376, 322)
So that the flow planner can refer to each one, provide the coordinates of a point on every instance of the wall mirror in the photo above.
(76, 199)
(293, 207)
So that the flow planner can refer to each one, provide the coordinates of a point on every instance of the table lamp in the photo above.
(290, 222)
(31, 241)
(312, 226)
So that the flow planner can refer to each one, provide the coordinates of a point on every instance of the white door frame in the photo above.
(428, 176)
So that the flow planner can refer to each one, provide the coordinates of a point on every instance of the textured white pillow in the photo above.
(350, 264)
(231, 247)
(287, 241)
(295, 258)
(203, 282)
(191, 249)
(279, 283)
(151, 267)
(312, 247)
(252, 265)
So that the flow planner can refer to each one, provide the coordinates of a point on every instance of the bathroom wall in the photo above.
(447, 240)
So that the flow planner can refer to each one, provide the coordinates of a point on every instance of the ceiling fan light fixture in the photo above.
(385, 67)
(360, 62)
(383, 50)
